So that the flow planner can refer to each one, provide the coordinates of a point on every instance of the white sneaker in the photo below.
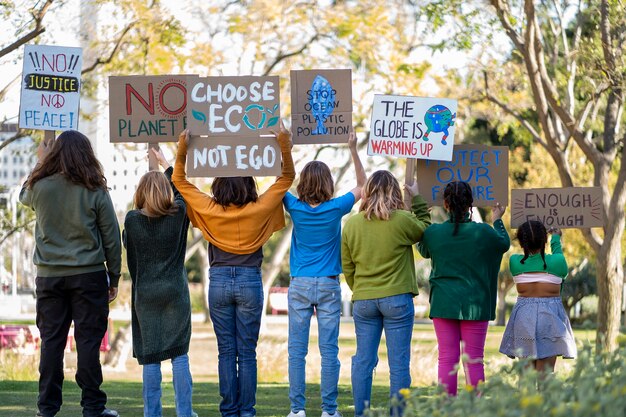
(300, 413)
(335, 414)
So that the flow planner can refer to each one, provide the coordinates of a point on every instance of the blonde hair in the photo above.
(381, 196)
(316, 183)
(154, 195)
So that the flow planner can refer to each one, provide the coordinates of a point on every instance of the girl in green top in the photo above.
(538, 327)
(465, 258)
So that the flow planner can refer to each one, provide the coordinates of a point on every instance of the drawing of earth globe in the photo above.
(438, 118)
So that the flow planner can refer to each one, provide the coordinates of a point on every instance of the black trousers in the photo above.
(84, 299)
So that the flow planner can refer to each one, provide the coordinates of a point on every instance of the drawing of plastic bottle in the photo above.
(322, 102)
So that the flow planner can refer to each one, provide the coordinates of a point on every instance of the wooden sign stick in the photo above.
(153, 163)
(409, 179)
(48, 137)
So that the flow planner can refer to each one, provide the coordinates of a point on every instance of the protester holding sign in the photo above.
(155, 237)
(315, 265)
(377, 259)
(538, 327)
(465, 258)
(236, 222)
(76, 234)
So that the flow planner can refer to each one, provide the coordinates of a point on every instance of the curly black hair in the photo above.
(533, 236)
(458, 197)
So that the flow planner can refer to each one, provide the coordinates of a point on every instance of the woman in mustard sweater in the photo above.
(377, 259)
(236, 222)
(538, 327)
(465, 258)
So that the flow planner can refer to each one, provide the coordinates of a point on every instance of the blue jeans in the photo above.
(395, 315)
(324, 295)
(181, 378)
(235, 306)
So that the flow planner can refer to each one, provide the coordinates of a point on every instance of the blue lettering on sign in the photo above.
(472, 166)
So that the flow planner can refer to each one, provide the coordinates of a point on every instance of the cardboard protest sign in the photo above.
(233, 157)
(484, 168)
(321, 106)
(245, 106)
(571, 207)
(50, 87)
(412, 127)
(147, 108)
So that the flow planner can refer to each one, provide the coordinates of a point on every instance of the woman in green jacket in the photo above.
(377, 258)
(465, 257)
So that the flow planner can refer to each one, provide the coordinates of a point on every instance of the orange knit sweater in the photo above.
(238, 230)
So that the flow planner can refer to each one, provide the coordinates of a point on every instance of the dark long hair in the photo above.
(72, 156)
(237, 191)
(459, 199)
(533, 236)
(316, 183)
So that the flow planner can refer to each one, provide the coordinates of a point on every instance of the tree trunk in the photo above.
(120, 349)
(610, 276)
(204, 266)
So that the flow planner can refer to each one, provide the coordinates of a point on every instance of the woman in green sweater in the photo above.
(538, 328)
(465, 258)
(78, 258)
(377, 259)
(155, 237)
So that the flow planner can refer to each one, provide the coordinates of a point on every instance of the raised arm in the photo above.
(421, 216)
(557, 263)
(167, 170)
(283, 182)
(192, 195)
(503, 242)
(358, 166)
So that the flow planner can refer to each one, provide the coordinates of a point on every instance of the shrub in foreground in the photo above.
(595, 387)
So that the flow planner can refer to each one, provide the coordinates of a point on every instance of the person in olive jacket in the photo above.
(78, 258)
(465, 258)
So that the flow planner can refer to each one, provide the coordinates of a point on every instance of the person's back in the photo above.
(465, 266)
(155, 236)
(78, 258)
(315, 265)
(465, 259)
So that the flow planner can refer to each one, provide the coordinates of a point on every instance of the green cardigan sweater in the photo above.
(377, 255)
(556, 264)
(160, 306)
(464, 276)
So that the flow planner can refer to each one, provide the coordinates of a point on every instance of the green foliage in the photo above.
(595, 387)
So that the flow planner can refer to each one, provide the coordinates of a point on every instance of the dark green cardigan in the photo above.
(161, 310)
(464, 276)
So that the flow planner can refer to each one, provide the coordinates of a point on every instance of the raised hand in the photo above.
(497, 211)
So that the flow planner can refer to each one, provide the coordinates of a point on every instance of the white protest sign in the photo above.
(412, 127)
(50, 87)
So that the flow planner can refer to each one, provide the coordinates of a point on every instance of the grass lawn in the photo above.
(18, 374)
(17, 399)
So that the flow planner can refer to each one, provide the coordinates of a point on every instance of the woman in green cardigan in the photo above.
(465, 258)
(377, 258)
(155, 237)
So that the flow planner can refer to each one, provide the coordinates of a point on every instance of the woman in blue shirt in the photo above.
(315, 265)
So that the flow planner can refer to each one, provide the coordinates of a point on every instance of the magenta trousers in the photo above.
(451, 336)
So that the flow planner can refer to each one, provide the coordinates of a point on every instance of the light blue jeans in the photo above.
(235, 306)
(181, 379)
(395, 315)
(306, 295)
